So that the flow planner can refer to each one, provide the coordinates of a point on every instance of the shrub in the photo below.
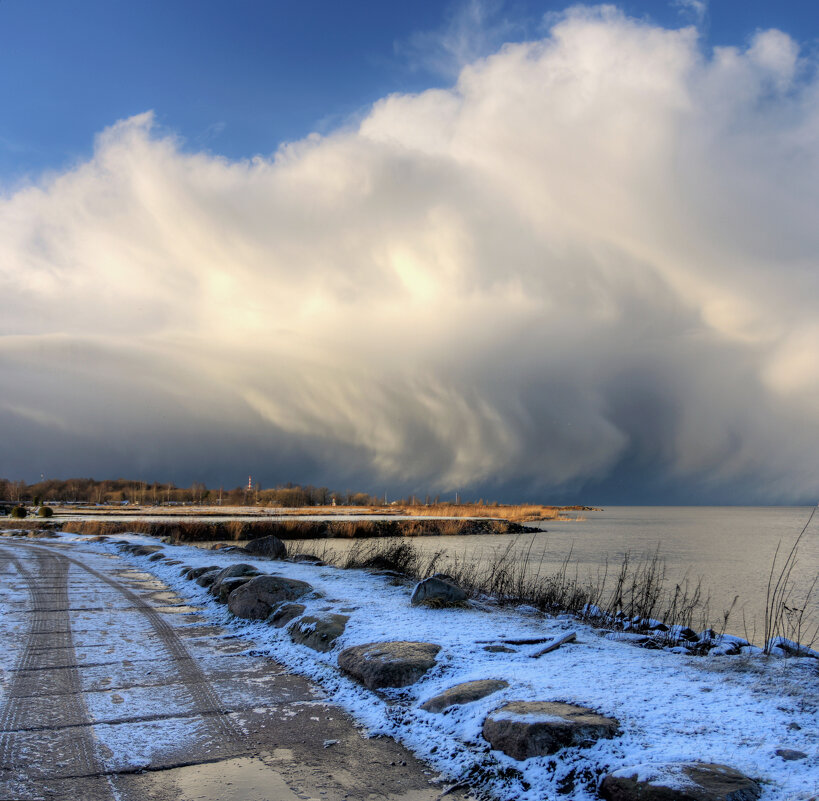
(45, 511)
(18, 512)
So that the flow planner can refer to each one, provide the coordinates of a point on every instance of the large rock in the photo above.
(388, 664)
(207, 578)
(307, 557)
(790, 755)
(195, 572)
(523, 729)
(145, 550)
(284, 613)
(228, 585)
(437, 591)
(318, 632)
(679, 781)
(464, 693)
(256, 599)
(270, 546)
(232, 571)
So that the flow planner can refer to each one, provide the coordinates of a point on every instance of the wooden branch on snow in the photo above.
(534, 641)
(553, 646)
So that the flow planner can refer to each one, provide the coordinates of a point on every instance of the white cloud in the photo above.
(595, 245)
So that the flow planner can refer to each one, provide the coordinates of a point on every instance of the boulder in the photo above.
(679, 781)
(195, 572)
(255, 599)
(232, 571)
(388, 664)
(523, 729)
(284, 613)
(437, 591)
(307, 557)
(145, 550)
(207, 579)
(228, 585)
(790, 755)
(631, 637)
(270, 546)
(677, 633)
(318, 632)
(155, 557)
(463, 694)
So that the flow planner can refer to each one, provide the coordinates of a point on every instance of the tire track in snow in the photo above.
(27, 764)
(206, 703)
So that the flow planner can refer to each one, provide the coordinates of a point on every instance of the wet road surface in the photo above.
(111, 689)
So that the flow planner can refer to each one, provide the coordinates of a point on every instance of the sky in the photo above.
(521, 250)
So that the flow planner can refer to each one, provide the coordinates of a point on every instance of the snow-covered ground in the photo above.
(735, 710)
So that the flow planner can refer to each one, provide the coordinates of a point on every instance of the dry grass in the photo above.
(183, 530)
(787, 615)
(521, 513)
(636, 590)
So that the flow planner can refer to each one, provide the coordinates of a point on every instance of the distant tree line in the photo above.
(144, 493)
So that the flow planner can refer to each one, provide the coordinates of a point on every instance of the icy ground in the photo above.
(735, 710)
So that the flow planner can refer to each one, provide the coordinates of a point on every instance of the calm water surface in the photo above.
(730, 548)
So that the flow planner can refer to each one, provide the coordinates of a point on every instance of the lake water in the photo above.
(730, 548)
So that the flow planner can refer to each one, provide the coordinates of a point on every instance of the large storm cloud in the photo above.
(595, 249)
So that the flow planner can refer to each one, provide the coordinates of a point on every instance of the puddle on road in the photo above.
(243, 779)
(179, 609)
(168, 601)
(167, 597)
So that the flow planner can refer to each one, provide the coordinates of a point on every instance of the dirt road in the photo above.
(113, 689)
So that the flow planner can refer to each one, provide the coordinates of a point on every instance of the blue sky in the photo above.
(239, 77)
(531, 252)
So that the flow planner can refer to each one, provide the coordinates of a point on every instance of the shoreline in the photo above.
(661, 710)
(394, 616)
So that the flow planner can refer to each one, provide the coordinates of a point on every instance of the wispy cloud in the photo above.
(473, 29)
(694, 10)
(595, 247)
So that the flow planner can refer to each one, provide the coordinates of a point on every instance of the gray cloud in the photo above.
(594, 249)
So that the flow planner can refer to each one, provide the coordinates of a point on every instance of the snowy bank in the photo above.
(670, 708)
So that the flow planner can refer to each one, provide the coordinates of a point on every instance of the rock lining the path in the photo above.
(256, 599)
(437, 591)
(464, 693)
(318, 632)
(270, 546)
(239, 570)
(284, 613)
(379, 665)
(679, 781)
(228, 585)
(523, 729)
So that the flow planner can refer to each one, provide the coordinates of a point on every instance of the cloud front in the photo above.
(596, 248)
